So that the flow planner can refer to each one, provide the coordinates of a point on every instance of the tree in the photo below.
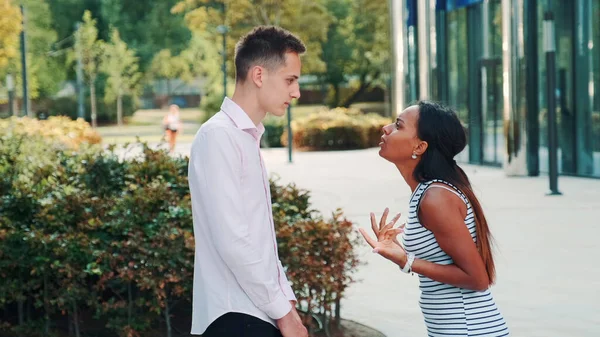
(306, 18)
(203, 58)
(10, 27)
(147, 27)
(45, 71)
(90, 50)
(370, 41)
(168, 67)
(337, 50)
(121, 66)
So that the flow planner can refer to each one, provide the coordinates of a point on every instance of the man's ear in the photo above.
(257, 74)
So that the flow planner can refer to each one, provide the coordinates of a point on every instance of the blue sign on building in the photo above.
(449, 5)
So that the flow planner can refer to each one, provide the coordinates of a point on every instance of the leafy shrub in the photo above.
(337, 129)
(56, 129)
(97, 244)
(274, 128)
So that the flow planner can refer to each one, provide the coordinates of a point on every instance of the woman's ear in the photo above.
(421, 147)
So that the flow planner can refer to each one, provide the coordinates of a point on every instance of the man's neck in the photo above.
(246, 100)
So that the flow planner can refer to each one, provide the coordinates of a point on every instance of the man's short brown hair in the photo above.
(265, 46)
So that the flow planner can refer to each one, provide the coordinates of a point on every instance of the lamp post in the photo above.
(289, 132)
(550, 50)
(80, 98)
(10, 86)
(26, 111)
(223, 29)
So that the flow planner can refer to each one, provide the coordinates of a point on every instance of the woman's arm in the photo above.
(443, 213)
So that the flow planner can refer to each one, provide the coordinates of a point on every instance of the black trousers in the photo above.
(240, 325)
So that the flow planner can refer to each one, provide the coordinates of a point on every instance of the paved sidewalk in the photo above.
(547, 258)
(548, 261)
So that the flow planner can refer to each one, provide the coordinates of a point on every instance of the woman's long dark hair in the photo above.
(440, 127)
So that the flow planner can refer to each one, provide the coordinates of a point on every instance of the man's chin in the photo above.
(279, 113)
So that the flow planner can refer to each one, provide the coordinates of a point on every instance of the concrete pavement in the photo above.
(547, 258)
(547, 255)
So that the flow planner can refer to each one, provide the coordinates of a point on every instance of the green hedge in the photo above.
(274, 128)
(95, 244)
(337, 129)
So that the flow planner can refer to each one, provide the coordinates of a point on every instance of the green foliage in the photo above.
(89, 46)
(274, 128)
(147, 28)
(88, 239)
(45, 70)
(121, 66)
(10, 27)
(337, 129)
(307, 19)
(319, 255)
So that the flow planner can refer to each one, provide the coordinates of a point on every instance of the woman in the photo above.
(172, 124)
(446, 240)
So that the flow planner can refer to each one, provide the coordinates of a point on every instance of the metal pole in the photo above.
(223, 30)
(550, 50)
(424, 43)
(26, 111)
(398, 23)
(289, 132)
(80, 98)
(225, 62)
(10, 86)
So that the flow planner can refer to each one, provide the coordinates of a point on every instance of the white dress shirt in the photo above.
(236, 267)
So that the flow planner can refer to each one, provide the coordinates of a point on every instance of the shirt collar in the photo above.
(239, 117)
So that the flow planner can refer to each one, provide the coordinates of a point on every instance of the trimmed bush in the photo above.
(274, 129)
(98, 245)
(337, 129)
(59, 129)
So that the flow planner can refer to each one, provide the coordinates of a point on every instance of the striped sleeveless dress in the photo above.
(449, 310)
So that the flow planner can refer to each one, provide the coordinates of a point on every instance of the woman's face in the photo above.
(399, 140)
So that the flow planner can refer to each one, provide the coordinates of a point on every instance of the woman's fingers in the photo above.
(383, 218)
(393, 222)
(369, 240)
(374, 225)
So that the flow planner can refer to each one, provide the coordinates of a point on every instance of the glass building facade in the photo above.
(486, 59)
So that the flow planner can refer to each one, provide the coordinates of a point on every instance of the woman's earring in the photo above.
(414, 156)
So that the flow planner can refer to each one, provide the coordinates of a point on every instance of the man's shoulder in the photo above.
(217, 125)
(219, 129)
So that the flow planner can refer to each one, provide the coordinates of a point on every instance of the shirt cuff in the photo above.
(289, 293)
(280, 307)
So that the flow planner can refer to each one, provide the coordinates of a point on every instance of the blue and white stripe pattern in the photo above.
(449, 310)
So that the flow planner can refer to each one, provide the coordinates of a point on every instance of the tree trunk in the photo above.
(70, 323)
(336, 92)
(168, 90)
(338, 318)
(120, 109)
(46, 306)
(21, 312)
(29, 305)
(93, 102)
(75, 320)
(129, 304)
(167, 316)
(364, 85)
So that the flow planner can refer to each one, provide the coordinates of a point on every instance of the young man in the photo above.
(240, 288)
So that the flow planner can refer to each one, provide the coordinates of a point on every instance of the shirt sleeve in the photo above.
(216, 160)
(286, 285)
